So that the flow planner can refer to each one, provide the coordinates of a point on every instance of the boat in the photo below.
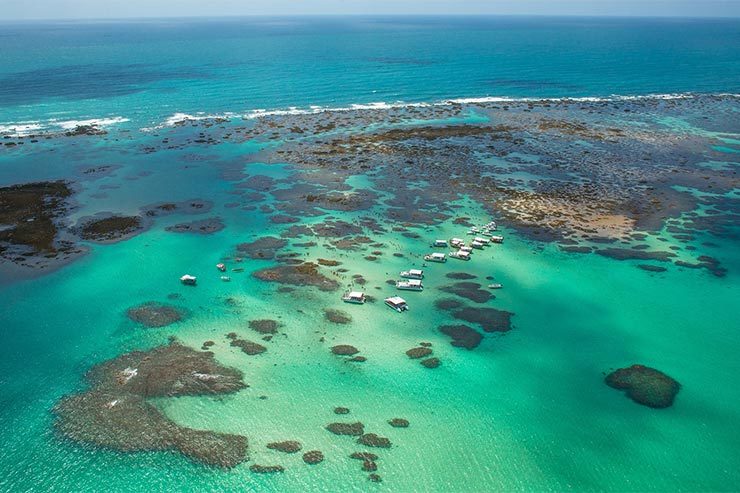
(456, 242)
(497, 239)
(188, 280)
(221, 267)
(495, 285)
(410, 285)
(435, 257)
(477, 245)
(397, 303)
(354, 297)
(465, 249)
(480, 239)
(460, 255)
(440, 244)
(413, 274)
(225, 278)
(492, 226)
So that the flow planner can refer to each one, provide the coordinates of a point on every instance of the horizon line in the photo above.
(364, 15)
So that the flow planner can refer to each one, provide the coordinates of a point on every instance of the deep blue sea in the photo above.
(146, 71)
(346, 147)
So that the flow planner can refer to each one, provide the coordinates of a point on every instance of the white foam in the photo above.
(23, 129)
(383, 105)
(94, 122)
(20, 129)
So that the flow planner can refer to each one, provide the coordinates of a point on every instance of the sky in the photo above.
(103, 9)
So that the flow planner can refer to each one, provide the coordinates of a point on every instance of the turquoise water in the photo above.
(526, 410)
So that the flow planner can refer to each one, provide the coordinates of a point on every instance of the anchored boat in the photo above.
(413, 274)
(355, 297)
(435, 257)
(397, 303)
(188, 280)
(440, 244)
(410, 285)
(460, 255)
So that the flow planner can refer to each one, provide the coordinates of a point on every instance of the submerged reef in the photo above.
(313, 457)
(288, 446)
(263, 248)
(202, 226)
(154, 314)
(32, 216)
(462, 336)
(264, 326)
(303, 274)
(115, 413)
(109, 228)
(645, 385)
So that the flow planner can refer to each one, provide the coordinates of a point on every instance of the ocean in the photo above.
(317, 155)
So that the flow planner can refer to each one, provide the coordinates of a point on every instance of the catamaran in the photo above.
(397, 303)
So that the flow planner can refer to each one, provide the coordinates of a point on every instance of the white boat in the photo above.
(355, 297)
(221, 267)
(440, 244)
(188, 280)
(456, 242)
(477, 245)
(460, 255)
(397, 303)
(491, 226)
(465, 249)
(413, 274)
(495, 285)
(480, 239)
(497, 239)
(225, 278)
(410, 285)
(435, 257)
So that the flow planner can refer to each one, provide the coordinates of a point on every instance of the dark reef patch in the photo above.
(248, 347)
(260, 469)
(337, 316)
(288, 446)
(373, 440)
(115, 414)
(154, 314)
(644, 385)
(202, 226)
(469, 290)
(490, 319)
(344, 350)
(109, 228)
(399, 423)
(313, 457)
(418, 352)
(264, 326)
(431, 363)
(351, 429)
(462, 336)
(263, 248)
(305, 274)
(462, 276)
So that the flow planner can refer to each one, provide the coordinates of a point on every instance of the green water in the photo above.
(524, 411)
